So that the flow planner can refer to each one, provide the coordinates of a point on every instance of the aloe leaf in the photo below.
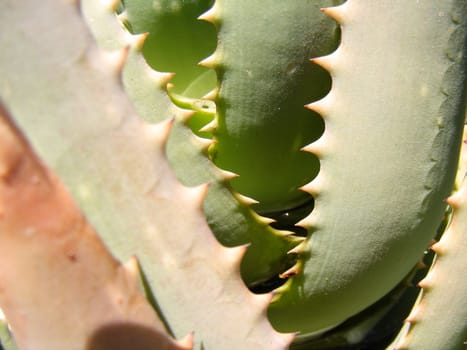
(265, 77)
(232, 222)
(379, 195)
(115, 165)
(61, 288)
(442, 307)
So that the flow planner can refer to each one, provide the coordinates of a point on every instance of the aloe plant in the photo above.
(236, 174)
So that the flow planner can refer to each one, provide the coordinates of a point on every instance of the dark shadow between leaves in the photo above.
(128, 336)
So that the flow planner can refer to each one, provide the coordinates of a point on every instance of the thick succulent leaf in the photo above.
(379, 194)
(442, 308)
(372, 328)
(232, 222)
(265, 77)
(60, 287)
(71, 103)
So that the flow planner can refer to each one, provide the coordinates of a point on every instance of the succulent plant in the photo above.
(282, 193)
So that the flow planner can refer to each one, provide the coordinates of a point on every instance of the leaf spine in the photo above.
(278, 292)
(116, 60)
(438, 248)
(456, 199)
(327, 62)
(311, 221)
(244, 199)
(317, 147)
(198, 195)
(336, 13)
(258, 218)
(212, 95)
(159, 133)
(202, 143)
(160, 79)
(314, 187)
(211, 15)
(210, 127)
(299, 249)
(132, 269)
(184, 115)
(211, 61)
(227, 175)
(427, 282)
(262, 300)
(293, 271)
(138, 40)
(111, 5)
(414, 316)
(233, 256)
(322, 106)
